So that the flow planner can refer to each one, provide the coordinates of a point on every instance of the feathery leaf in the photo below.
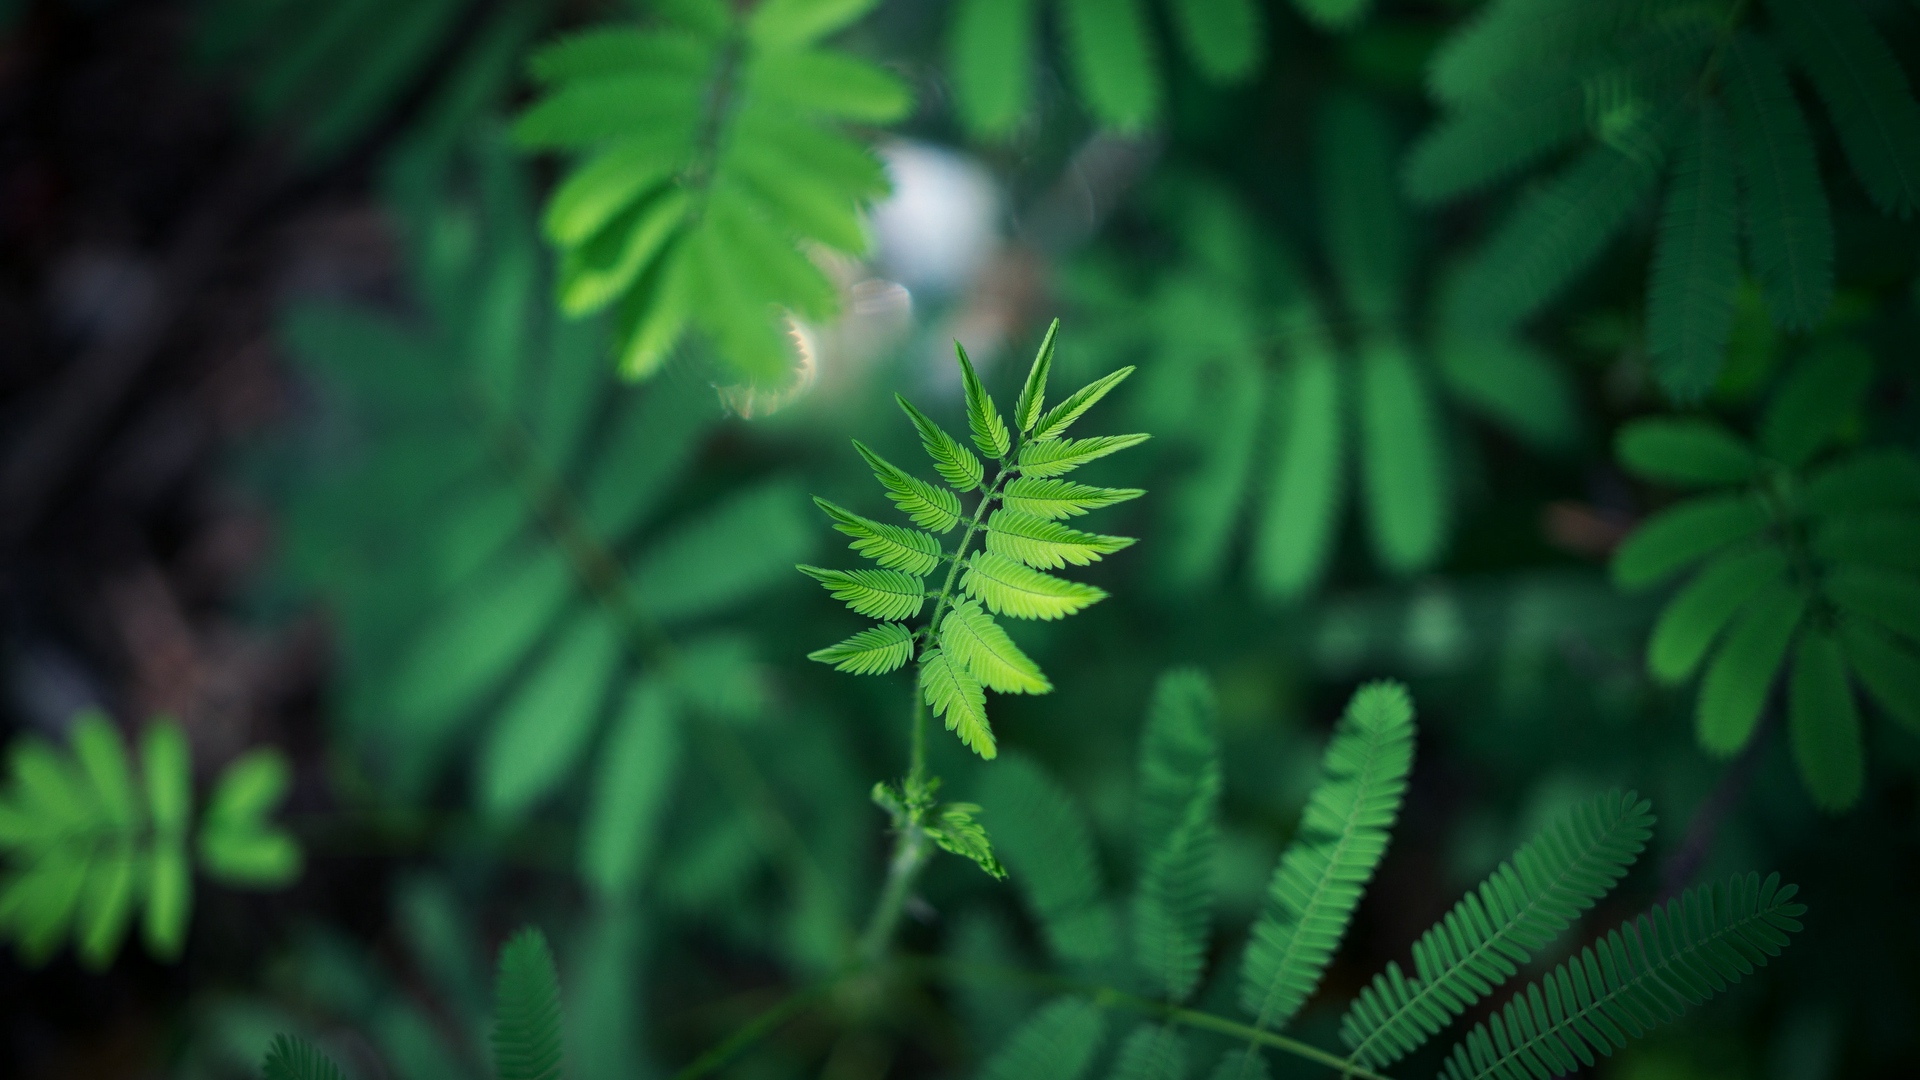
(1641, 975)
(1343, 835)
(1178, 830)
(893, 547)
(1789, 225)
(1866, 95)
(1057, 457)
(889, 595)
(1112, 60)
(953, 828)
(955, 696)
(1498, 927)
(1043, 839)
(1010, 588)
(991, 57)
(1152, 1052)
(955, 463)
(930, 507)
(292, 1058)
(990, 432)
(970, 637)
(1696, 263)
(1061, 416)
(1033, 396)
(1047, 545)
(873, 651)
(1057, 1043)
(526, 1010)
(1057, 499)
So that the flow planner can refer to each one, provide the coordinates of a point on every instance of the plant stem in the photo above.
(756, 1029)
(987, 495)
(917, 756)
(910, 852)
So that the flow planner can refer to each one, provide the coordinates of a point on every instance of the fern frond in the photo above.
(1061, 416)
(930, 507)
(1558, 229)
(1057, 499)
(1033, 395)
(970, 637)
(1496, 928)
(888, 595)
(955, 696)
(1057, 457)
(955, 463)
(526, 1010)
(1343, 835)
(1789, 224)
(1057, 1043)
(1696, 263)
(1044, 840)
(715, 148)
(1639, 976)
(873, 651)
(1009, 588)
(1866, 94)
(1047, 545)
(1152, 1052)
(291, 1058)
(990, 432)
(1179, 805)
(893, 547)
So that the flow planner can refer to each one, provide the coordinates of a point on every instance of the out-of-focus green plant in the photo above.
(714, 154)
(1696, 92)
(1809, 563)
(88, 844)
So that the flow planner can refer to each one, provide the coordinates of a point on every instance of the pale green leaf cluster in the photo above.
(93, 839)
(997, 568)
(1111, 53)
(525, 626)
(1808, 570)
(525, 1040)
(1696, 93)
(1286, 423)
(714, 149)
(1633, 980)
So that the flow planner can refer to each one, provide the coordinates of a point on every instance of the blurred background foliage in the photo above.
(342, 418)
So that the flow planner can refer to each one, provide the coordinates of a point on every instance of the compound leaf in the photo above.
(1010, 588)
(955, 696)
(873, 651)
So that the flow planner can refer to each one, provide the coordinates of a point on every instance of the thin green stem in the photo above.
(754, 1030)
(987, 495)
(1110, 998)
(917, 756)
(910, 853)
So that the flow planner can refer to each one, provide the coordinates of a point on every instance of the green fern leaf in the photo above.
(955, 696)
(893, 547)
(955, 463)
(1890, 674)
(873, 651)
(1057, 457)
(1061, 416)
(1343, 835)
(1686, 451)
(1047, 545)
(1824, 723)
(1179, 806)
(714, 151)
(1682, 535)
(1033, 395)
(1307, 476)
(1694, 618)
(1789, 225)
(290, 1058)
(526, 1010)
(1057, 499)
(1402, 461)
(1498, 927)
(991, 56)
(1225, 38)
(930, 507)
(1111, 57)
(1009, 588)
(1866, 95)
(990, 432)
(1152, 1052)
(888, 595)
(954, 829)
(1696, 263)
(971, 638)
(1741, 675)
(1057, 1043)
(1043, 839)
(1557, 230)
(1641, 975)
